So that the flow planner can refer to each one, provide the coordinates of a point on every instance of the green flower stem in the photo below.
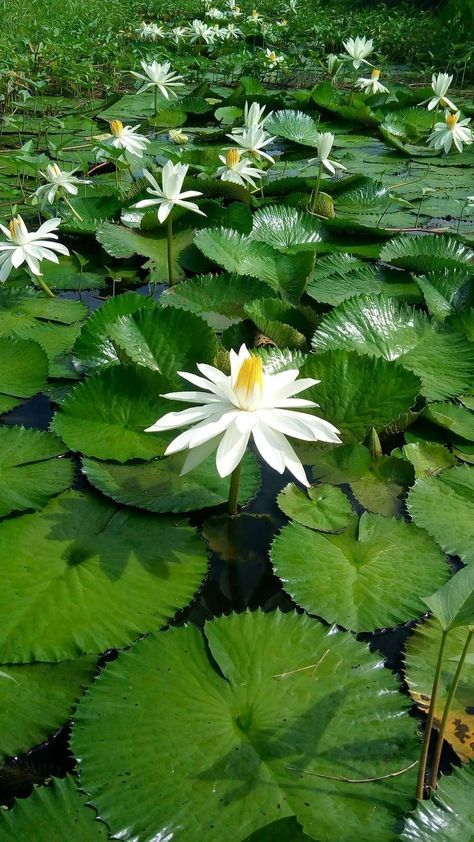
(316, 189)
(155, 92)
(435, 115)
(234, 489)
(73, 211)
(447, 709)
(44, 286)
(169, 230)
(429, 721)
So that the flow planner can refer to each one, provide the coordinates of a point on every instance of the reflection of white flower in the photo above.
(58, 182)
(160, 76)
(151, 31)
(125, 138)
(200, 31)
(272, 59)
(238, 169)
(452, 131)
(169, 194)
(358, 49)
(324, 144)
(248, 403)
(440, 83)
(30, 246)
(372, 85)
(254, 140)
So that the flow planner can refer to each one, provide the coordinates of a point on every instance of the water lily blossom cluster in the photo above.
(247, 403)
(238, 169)
(170, 193)
(151, 31)
(125, 138)
(372, 85)
(358, 49)
(30, 247)
(200, 31)
(453, 130)
(158, 76)
(58, 183)
(440, 83)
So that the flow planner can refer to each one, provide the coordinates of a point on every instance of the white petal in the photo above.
(191, 397)
(293, 464)
(268, 444)
(172, 420)
(231, 450)
(199, 454)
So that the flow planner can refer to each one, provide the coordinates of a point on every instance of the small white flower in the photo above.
(372, 85)
(255, 17)
(324, 142)
(272, 59)
(160, 76)
(254, 140)
(151, 31)
(231, 31)
(247, 403)
(238, 169)
(440, 83)
(125, 138)
(178, 34)
(169, 194)
(58, 182)
(200, 31)
(451, 131)
(30, 246)
(358, 49)
(253, 118)
(214, 13)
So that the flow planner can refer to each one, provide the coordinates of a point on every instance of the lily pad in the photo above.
(318, 702)
(449, 813)
(92, 576)
(325, 507)
(420, 664)
(23, 369)
(30, 469)
(373, 575)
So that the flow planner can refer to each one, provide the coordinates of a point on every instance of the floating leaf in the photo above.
(423, 254)
(158, 487)
(428, 458)
(444, 506)
(23, 369)
(420, 660)
(92, 576)
(358, 392)
(439, 354)
(283, 323)
(448, 815)
(284, 227)
(295, 126)
(30, 470)
(453, 603)
(224, 294)
(107, 414)
(36, 699)
(456, 419)
(370, 576)
(299, 708)
(325, 507)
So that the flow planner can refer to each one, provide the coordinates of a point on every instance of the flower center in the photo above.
(375, 73)
(249, 384)
(272, 56)
(451, 121)
(16, 226)
(116, 127)
(232, 158)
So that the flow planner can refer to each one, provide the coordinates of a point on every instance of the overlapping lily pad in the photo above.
(92, 576)
(374, 574)
(448, 814)
(281, 693)
(23, 371)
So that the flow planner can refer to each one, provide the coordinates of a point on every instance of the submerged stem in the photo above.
(429, 720)
(447, 709)
(316, 189)
(169, 230)
(234, 489)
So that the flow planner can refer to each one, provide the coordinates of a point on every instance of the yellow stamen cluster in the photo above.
(14, 226)
(255, 13)
(249, 377)
(451, 120)
(232, 158)
(55, 169)
(116, 127)
(272, 56)
(375, 73)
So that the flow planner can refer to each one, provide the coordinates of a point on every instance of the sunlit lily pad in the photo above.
(325, 507)
(281, 692)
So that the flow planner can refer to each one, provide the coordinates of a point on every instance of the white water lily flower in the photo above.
(255, 17)
(248, 403)
(452, 131)
(158, 76)
(178, 34)
(324, 142)
(169, 194)
(253, 118)
(125, 138)
(238, 169)
(200, 31)
(333, 64)
(178, 136)
(214, 13)
(151, 31)
(372, 85)
(358, 49)
(272, 59)
(440, 83)
(231, 31)
(30, 246)
(58, 181)
(254, 140)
